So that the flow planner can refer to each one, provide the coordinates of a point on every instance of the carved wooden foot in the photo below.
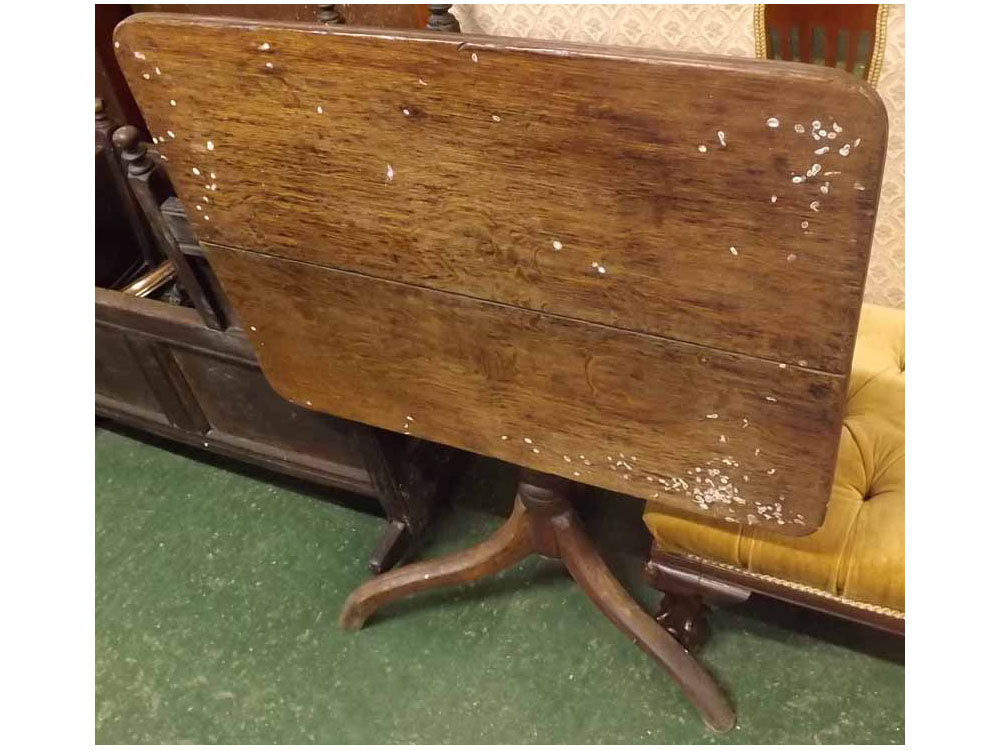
(544, 522)
(590, 571)
(508, 546)
(683, 616)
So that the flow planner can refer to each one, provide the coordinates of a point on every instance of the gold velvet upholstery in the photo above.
(858, 553)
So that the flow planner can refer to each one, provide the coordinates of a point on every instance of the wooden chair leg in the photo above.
(508, 546)
(590, 571)
(684, 617)
(391, 547)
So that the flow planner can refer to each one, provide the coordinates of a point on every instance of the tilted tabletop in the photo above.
(634, 269)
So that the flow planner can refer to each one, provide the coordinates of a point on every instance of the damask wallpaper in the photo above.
(722, 30)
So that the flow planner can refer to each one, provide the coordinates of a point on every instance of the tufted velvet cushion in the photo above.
(858, 553)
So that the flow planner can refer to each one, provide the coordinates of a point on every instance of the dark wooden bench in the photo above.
(630, 269)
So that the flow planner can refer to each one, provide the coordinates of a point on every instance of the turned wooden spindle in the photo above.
(149, 185)
(331, 14)
(132, 150)
(101, 119)
(107, 148)
(102, 130)
(442, 19)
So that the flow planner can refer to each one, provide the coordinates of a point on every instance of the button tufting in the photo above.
(859, 552)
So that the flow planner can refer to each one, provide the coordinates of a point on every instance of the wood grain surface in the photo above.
(622, 267)
(462, 163)
(697, 429)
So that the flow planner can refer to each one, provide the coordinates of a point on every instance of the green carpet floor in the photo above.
(219, 587)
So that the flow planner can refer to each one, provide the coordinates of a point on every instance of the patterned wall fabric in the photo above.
(885, 274)
(722, 30)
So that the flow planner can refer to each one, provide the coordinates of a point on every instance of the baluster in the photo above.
(102, 123)
(142, 174)
(442, 19)
(103, 127)
(331, 14)
(131, 150)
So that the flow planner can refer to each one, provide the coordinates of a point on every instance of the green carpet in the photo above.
(219, 587)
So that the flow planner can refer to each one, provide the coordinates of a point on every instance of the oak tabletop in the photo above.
(635, 269)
